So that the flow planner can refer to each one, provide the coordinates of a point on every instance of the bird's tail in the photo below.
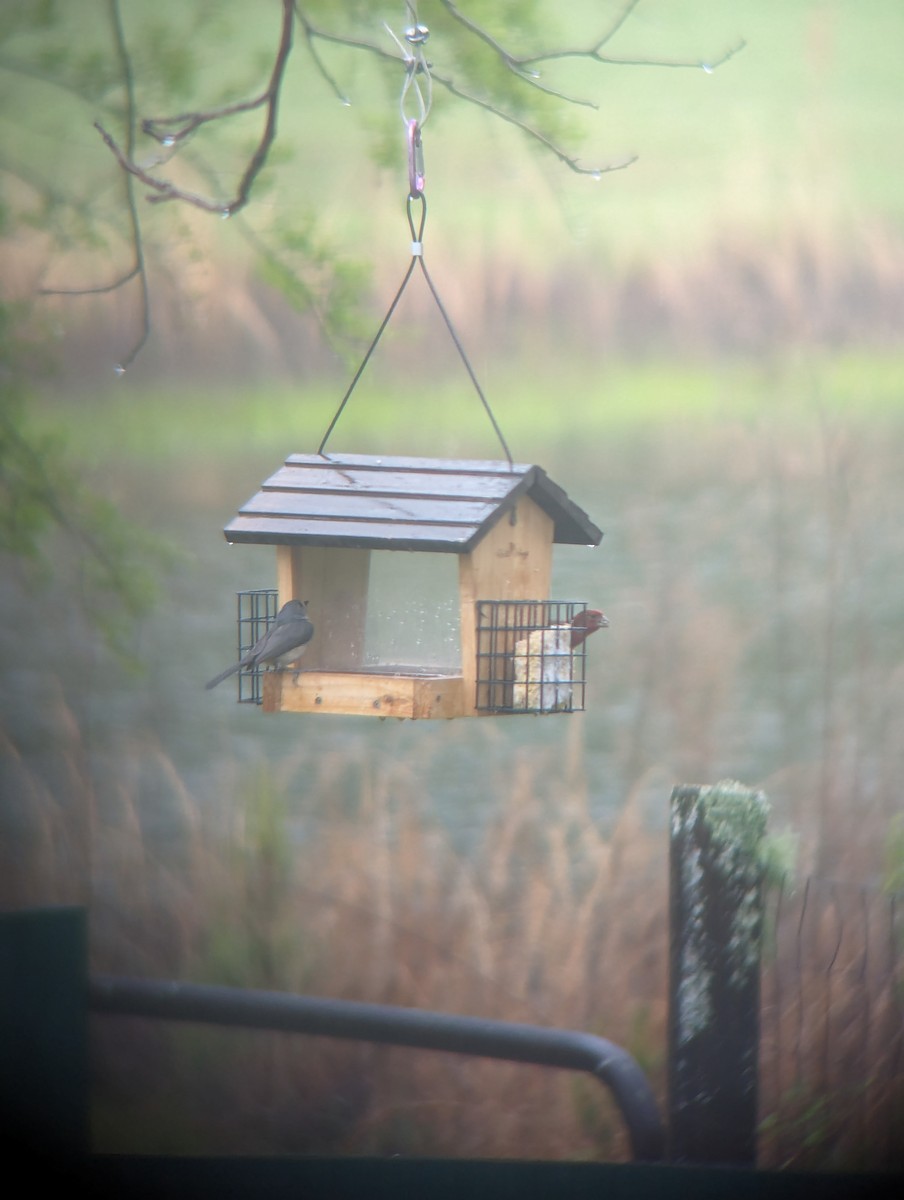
(223, 675)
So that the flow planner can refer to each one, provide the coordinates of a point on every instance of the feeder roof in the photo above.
(428, 504)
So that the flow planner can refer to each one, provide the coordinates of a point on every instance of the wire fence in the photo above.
(832, 1027)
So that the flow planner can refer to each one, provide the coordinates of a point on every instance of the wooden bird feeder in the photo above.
(329, 515)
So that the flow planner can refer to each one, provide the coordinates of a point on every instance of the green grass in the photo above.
(175, 427)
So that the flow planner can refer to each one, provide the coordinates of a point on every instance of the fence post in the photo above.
(43, 1036)
(714, 976)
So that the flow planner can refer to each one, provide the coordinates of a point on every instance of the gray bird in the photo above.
(283, 642)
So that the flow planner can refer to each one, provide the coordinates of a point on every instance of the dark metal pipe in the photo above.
(510, 1041)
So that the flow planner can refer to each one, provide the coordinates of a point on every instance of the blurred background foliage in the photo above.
(704, 348)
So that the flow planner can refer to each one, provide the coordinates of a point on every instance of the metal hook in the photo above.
(415, 65)
(416, 37)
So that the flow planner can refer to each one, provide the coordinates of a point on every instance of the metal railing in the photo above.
(509, 1041)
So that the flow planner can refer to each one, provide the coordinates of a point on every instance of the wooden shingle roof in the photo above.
(429, 504)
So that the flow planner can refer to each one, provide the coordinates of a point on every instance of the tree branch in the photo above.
(312, 32)
(593, 52)
(176, 130)
(550, 145)
(607, 37)
(137, 270)
(708, 65)
(519, 66)
(171, 130)
(97, 290)
(510, 61)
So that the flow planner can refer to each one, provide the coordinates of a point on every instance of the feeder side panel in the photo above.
(512, 562)
(332, 581)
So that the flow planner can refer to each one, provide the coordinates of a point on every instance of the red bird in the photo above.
(585, 623)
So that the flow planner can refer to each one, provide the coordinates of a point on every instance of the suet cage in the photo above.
(256, 609)
(526, 662)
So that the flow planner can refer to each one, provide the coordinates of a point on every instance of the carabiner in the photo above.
(415, 160)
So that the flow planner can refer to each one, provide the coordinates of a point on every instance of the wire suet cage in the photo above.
(255, 612)
(526, 659)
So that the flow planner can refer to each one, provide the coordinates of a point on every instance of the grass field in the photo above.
(163, 429)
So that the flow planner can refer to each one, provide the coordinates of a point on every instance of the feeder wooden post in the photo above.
(714, 985)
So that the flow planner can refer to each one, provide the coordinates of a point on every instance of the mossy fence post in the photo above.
(714, 976)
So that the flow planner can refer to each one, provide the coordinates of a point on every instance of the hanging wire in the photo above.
(379, 333)
(417, 257)
(458, 345)
(415, 65)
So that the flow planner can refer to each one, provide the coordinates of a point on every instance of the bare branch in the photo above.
(310, 33)
(617, 24)
(550, 145)
(512, 63)
(165, 190)
(96, 290)
(169, 130)
(509, 59)
(337, 39)
(175, 130)
(137, 270)
(313, 32)
(594, 51)
(518, 64)
(704, 64)
(708, 65)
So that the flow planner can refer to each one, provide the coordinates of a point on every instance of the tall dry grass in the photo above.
(803, 284)
(546, 920)
(832, 1038)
